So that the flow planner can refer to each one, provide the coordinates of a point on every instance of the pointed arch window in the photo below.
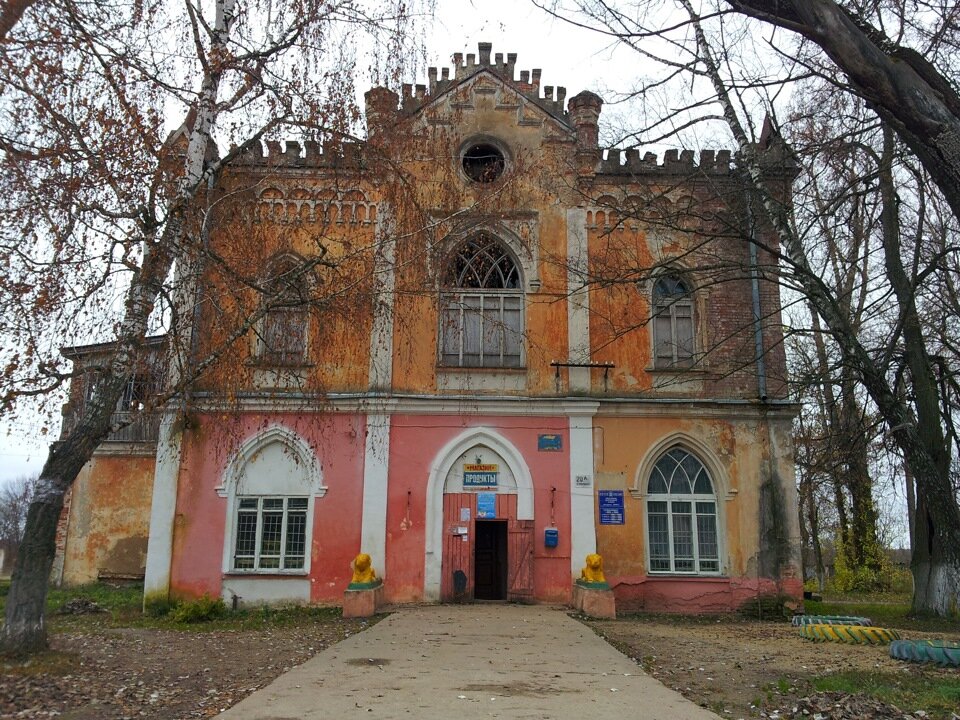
(673, 323)
(481, 300)
(681, 509)
(282, 338)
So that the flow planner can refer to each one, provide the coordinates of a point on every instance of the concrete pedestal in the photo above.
(597, 602)
(362, 602)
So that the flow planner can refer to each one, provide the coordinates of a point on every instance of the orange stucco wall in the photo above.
(739, 450)
(109, 519)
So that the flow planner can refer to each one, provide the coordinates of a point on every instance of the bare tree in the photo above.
(711, 49)
(104, 218)
(15, 498)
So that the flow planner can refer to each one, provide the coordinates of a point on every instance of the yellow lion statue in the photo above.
(593, 572)
(362, 571)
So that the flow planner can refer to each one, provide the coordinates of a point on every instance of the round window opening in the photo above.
(483, 162)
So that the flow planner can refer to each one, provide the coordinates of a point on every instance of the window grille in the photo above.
(271, 534)
(682, 516)
(481, 320)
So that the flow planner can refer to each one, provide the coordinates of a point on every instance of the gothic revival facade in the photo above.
(477, 347)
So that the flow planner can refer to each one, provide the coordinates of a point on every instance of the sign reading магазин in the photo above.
(486, 475)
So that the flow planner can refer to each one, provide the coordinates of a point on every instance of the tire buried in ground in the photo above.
(801, 620)
(852, 634)
(939, 652)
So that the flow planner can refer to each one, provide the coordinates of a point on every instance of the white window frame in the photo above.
(305, 457)
(693, 498)
(258, 555)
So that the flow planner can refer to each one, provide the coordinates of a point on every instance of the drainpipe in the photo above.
(755, 291)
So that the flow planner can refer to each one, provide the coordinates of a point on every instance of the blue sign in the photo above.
(611, 507)
(486, 506)
(549, 443)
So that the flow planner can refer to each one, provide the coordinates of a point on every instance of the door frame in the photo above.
(439, 468)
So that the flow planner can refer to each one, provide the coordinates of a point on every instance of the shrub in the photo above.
(203, 609)
(874, 576)
(158, 605)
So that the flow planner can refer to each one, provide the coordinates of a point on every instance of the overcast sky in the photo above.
(572, 58)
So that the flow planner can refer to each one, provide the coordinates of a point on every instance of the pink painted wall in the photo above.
(414, 444)
(199, 527)
(696, 595)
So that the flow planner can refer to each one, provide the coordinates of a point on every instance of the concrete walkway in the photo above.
(469, 661)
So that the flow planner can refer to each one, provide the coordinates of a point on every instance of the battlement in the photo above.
(629, 162)
(413, 97)
(308, 154)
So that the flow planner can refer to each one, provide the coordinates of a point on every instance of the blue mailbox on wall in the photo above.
(551, 537)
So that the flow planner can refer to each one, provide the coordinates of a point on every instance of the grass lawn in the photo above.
(936, 691)
(124, 608)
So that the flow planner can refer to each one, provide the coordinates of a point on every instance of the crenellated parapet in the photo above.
(307, 154)
(413, 97)
(675, 162)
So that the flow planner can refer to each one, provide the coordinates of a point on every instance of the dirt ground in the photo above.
(100, 673)
(742, 669)
(739, 669)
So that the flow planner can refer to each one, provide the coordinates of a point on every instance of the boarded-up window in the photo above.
(673, 323)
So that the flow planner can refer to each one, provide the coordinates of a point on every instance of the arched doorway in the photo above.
(479, 521)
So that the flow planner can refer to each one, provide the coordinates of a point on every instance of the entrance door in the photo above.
(490, 560)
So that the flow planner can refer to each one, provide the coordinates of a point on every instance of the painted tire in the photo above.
(800, 620)
(853, 634)
(939, 652)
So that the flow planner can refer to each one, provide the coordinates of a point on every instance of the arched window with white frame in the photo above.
(481, 298)
(673, 322)
(270, 485)
(681, 506)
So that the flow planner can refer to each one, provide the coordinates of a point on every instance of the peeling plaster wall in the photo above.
(757, 519)
(108, 519)
(198, 543)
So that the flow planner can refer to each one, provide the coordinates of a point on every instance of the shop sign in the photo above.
(485, 475)
(611, 507)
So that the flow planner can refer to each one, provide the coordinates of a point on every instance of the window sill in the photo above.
(266, 573)
(265, 364)
(698, 369)
(657, 575)
(287, 377)
(481, 379)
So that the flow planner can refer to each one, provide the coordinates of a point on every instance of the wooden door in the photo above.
(457, 549)
(520, 555)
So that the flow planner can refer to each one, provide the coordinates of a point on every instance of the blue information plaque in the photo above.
(611, 507)
(549, 443)
(486, 505)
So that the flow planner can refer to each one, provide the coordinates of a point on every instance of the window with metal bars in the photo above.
(481, 318)
(271, 534)
(673, 323)
(682, 516)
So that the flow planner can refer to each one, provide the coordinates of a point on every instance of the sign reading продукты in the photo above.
(611, 507)
(481, 475)
(486, 505)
